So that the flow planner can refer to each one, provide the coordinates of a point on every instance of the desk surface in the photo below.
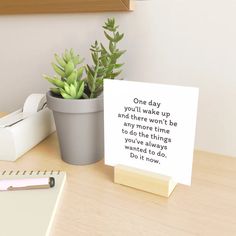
(93, 205)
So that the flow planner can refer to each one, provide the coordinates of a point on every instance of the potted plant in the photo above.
(77, 101)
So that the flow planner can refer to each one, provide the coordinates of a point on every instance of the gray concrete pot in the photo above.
(79, 125)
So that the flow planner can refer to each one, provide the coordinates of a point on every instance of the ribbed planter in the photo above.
(79, 125)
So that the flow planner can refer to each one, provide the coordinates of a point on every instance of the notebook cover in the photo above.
(29, 212)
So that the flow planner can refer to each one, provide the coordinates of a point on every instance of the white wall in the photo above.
(183, 42)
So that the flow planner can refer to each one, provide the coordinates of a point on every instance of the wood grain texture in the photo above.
(129, 4)
(144, 180)
(93, 205)
(63, 6)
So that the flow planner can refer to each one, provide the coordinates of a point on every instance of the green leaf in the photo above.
(117, 66)
(98, 91)
(58, 70)
(67, 56)
(77, 60)
(115, 74)
(66, 96)
(59, 60)
(90, 81)
(118, 37)
(55, 81)
(73, 91)
(81, 91)
(104, 61)
(109, 37)
(118, 54)
(101, 71)
(67, 88)
(80, 73)
(111, 22)
(95, 58)
(72, 77)
(72, 53)
(110, 27)
(55, 90)
(69, 68)
(99, 82)
(111, 47)
(91, 71)
(104, 51)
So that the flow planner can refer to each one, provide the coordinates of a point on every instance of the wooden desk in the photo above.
(93, 205)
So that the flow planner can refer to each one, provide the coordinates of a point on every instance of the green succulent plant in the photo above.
(105, 64)
(69, 80)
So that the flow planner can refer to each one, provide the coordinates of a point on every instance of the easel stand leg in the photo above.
(144, 180)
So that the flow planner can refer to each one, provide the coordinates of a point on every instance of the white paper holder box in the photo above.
(23, 129)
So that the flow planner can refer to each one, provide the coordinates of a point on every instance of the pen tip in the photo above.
(51, 182)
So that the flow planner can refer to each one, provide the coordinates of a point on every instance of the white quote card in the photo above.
(150, 127)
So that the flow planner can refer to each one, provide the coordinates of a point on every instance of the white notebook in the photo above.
(29, 212)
